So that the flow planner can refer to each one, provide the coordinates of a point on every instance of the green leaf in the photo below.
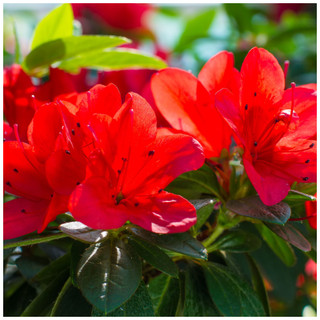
(236, 241)
(196, 27)
(45, 276)
(80, 231)
(139, 305)
(197, 301)
(71, 304)
(17, 49)
(253, 207)
(33, 239)
(57, 24)
(109, 273)
(258, 285)
(178, 242)
(66, 50)
(204, 209)
(289, 233)
(155, 256)
(164, 292)
(280, 247)
(296, 195)
(232, 295)
(29, 266)
(112, 59)
(76, 252)
(194, 184)
(39, 306)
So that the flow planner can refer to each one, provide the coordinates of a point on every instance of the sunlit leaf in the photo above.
(57, 24)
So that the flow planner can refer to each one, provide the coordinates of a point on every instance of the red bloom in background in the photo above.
(311, 269)
(123, 16)
(38, 204)
(17, 101)
(275, 126)
(131, 166)
(311, 211)
(187, 103)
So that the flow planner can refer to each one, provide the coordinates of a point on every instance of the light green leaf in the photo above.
(113, 59)
(38, 60)
(280, 247)
(204, 209)
(57, 24)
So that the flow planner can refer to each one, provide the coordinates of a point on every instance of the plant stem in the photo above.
(214, 235)
(65, 287)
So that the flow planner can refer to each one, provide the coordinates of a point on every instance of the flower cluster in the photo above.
(106, 161)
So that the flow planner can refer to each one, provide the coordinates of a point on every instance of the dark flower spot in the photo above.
(4, 139)
(255, 94)
(255, 143)
(311, 145)
(307, 161)
(67, 152)
(160, 190)
(23, 210)
(151, 153)
(246, 107)
(77, 183)
(8, 184)
(276, 120)
(78, 124)
(124, 159)
(119, 171)
(15, 170)
(72, 131)
(305, 179)
(136, 204)
(51, 195)
(112, 196)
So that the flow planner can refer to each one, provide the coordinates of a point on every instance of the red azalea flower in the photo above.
(275, 126)
(311, 269)
(38, 204)
(311, 210)
(187, 102)
(17, 98)
(124, 16)
(133, 162)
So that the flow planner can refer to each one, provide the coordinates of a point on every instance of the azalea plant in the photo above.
(135, 188)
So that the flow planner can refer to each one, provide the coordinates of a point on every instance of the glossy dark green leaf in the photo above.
(29, 266)
(236, 241)
(197, 300)
(197, 27)
(81, 232)
(72, 304)
(258, 285)
(204, 209)
(45, 276)
(112, 59)
(253, 207)
(139, 305)
(164, 292)
(289, 233)
(155, 256)
(39, 306)
(178, 242)
(280, 247)
(194, 184)
(57, 24)
(232, 295)
(63, 49)
(109, 273)
(76, 252)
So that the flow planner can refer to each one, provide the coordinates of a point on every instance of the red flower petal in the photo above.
(187, 106)
(92, 204)
(311, 209)
(270, 184)
(22, 216)
(163, 213)
(219, 73)
(23, 175)
(165, 159)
